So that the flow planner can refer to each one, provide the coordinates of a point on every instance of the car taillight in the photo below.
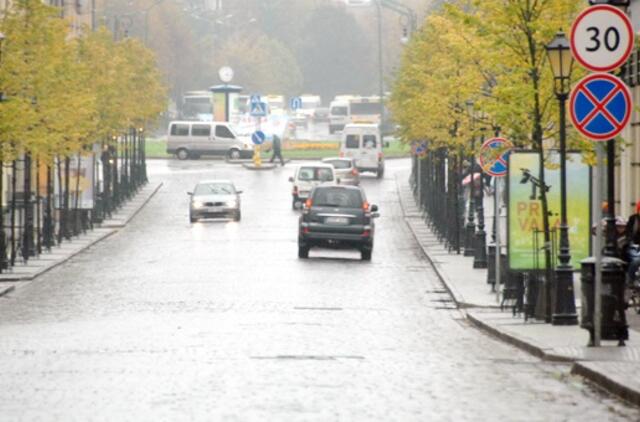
(308, 203)
(379, 157)
(365, 206)
(366, 233)
(341, 154)
(305, 230)
(354, 171)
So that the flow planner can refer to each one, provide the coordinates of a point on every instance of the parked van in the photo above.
(338, 115)
(361, 141)
(193, 139)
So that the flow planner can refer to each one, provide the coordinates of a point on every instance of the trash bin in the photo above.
(613, 321)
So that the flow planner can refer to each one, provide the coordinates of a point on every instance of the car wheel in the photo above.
(365, 254)
(182, 154)
(303, 252)
(294, 203)
(233, 154)
(237, 216)
(380, 172)
(192, 219)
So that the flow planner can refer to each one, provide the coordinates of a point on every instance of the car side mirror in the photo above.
(374, 208)
(291, 179)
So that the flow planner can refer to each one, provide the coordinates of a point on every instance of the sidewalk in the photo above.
(612, 368)
(59, 254)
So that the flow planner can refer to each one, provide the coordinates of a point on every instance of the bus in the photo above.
(365, 110)
(197, 105)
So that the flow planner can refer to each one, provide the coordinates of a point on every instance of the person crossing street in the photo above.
(277, 150)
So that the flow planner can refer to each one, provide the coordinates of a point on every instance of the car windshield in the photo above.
(214, 189)
(337, 197)
(322, 174)
(339, 111)
(339, 164)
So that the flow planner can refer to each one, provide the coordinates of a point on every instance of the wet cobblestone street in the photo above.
(219, 320)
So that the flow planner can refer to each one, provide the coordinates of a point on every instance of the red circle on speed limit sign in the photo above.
(601, 38)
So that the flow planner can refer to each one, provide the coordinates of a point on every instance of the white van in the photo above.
(361, 141)
(338, 115)
(193, 139)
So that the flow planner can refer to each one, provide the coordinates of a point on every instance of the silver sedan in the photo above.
(345, 170)
(214, 199)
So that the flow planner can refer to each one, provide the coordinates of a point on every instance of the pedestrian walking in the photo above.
(632, 232)
(277, 150)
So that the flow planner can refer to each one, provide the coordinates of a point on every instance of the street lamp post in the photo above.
(3, 245)
(559, 55)
(380, 69)
(470, 228)
(480, 238)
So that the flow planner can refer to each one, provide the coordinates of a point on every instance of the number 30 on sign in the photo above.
(601, 38)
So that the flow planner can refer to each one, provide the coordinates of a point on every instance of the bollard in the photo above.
(613, 322)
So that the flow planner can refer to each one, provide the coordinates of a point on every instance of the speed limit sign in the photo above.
(601, 38)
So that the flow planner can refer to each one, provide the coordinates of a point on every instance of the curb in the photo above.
(7, 290)
(608, 384)
(454, 294)
(112, 229)
(530, 348)
(129, 218)
(57, 263)
(577, 368)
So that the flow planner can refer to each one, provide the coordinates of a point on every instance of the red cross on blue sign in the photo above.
(600, 106)
(494, 154)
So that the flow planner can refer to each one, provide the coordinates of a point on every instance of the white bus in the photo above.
(365, 110)
(197, 105)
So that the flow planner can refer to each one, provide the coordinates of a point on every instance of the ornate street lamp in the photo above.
(3, 256)
(620, 4)
(559, 55)
(470, 228)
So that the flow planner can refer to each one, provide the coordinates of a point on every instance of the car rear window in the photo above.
(369, 141)
(352, 141)
(337, 197)
(322, 174)
(339, 164)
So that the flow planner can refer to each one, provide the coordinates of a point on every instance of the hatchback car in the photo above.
(214, 199)
(306, 177)
(337, 217)
(346, 171)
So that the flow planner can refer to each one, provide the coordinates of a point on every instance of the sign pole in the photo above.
(597, 306)
(496, 211)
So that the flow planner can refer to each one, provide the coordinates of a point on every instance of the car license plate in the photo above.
(214, 209)
(338, 221)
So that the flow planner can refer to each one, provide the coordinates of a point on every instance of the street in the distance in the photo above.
(220, 320)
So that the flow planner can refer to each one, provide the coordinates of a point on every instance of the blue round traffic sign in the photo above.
(600, 106)
(295, 103)
(258, 137)
(494, 155)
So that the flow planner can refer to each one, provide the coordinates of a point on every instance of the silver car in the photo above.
(214, 199)
(346, 170)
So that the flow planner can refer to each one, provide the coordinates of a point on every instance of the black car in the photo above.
(337, 217)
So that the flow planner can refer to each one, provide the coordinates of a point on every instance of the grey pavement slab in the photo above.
(611, 367)
(59, 254)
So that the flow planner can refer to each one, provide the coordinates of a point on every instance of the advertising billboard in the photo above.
(524, 207)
